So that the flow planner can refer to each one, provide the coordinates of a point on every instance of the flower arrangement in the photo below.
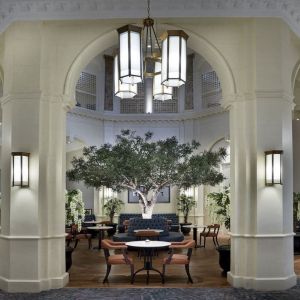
(218, 205)
(74, 208)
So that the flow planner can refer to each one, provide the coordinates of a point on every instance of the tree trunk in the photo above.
(147, 211)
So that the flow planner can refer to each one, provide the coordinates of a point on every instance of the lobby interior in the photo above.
(242, 92)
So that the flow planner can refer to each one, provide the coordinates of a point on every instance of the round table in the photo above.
(195, 227)
(148, 247)
(100, 236)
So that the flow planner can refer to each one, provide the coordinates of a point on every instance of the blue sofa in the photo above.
(173, 217)
(154, 223)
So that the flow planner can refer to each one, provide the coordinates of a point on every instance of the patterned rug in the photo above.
(156, 294)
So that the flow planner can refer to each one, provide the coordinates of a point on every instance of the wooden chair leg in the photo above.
(107, 273)
(163, 273)
(204, 240)
(187, 269)
(214, 241)
(76, 243)
(217, 241)
(132, 273)
(90, 243)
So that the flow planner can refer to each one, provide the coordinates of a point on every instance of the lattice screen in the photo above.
(189, 86)
(109, 83)
(168, 106)
(211, 89)
(134, 105)
(86, 91)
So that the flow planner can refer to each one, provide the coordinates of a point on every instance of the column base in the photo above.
(33, 286)
(262, 284)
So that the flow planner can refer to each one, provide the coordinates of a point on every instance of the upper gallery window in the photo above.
(86, 91)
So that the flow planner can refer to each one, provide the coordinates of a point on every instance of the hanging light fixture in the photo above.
(122, 90)
(173, 71)
(130, 54)
(160, 91)
(132, 64)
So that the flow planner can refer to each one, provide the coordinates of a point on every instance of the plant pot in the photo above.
(112, 231)
(69, 251)
(297, 243)
(224, 257)
(185, 230)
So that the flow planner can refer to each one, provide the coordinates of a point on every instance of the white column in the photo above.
(261, 217)
(32, 240)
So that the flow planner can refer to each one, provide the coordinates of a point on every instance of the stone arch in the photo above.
(196, 42)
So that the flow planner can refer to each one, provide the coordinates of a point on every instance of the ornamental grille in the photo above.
(86, 91)
(211, 89)
(136, 104)
(109, 83)
(167, 106)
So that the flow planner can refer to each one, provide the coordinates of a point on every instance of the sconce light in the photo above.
(273, 165)
(20, 169)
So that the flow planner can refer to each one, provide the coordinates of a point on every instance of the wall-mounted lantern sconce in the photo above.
(20, 169)
(273, 164)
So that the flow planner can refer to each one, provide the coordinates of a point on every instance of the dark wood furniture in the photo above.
(212, 231)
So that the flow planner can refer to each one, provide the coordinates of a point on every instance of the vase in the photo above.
(69, 251)
(185, 230)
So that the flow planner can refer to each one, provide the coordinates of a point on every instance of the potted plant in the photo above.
(112, 207)
(185, 204)
(296, 218)
(219, 209)
(75, 213)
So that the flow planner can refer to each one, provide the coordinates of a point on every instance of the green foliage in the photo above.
(219, 206)
(136, 161)
(74, 208)
(296, 208)
(185, 204)
(112, 207)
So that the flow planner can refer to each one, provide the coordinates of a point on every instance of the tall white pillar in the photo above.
(261, 217)
(32, 240)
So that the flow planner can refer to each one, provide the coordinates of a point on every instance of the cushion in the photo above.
(118, 259)
(172, 237)
(178, 259)
(123, 237)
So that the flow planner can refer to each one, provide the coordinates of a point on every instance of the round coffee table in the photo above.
(148, 247)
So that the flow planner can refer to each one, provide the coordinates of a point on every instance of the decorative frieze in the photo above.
(13, 10)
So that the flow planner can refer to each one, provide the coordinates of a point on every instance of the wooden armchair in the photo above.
(213, 231)
(180, 259)
(116, 259)
(82, 235)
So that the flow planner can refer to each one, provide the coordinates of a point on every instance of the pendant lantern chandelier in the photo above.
(136, 61)
(122, 90)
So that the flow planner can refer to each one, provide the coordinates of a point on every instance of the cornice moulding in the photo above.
(13, 10)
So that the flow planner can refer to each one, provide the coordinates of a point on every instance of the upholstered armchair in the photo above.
(116, 259)
(180, 259)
